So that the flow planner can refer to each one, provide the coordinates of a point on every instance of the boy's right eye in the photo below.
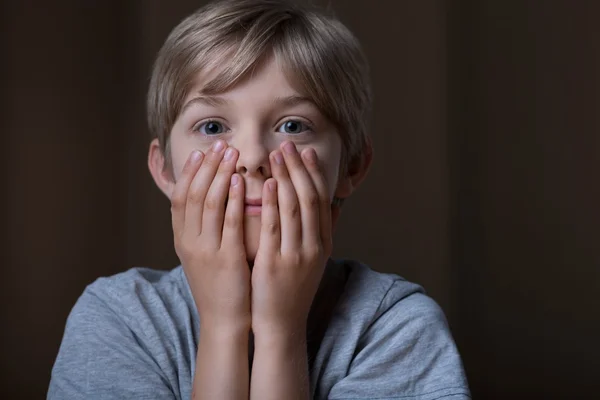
(210, 128)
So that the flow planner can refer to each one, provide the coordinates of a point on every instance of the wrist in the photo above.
(280, 337)
(224, 333)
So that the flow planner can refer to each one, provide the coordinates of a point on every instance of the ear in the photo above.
(355, 173)
(156, 164)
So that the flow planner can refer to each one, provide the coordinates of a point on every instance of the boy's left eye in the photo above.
(293, 126)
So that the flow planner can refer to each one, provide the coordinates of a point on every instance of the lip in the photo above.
(253, 202)
(252, 206)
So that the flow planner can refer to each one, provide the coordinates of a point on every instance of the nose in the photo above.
(253, 160)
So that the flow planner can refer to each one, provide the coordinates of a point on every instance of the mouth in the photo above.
(252, 206)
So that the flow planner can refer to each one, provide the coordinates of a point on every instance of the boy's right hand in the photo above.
(208, 237)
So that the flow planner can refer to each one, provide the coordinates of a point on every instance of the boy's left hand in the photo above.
(295, 243)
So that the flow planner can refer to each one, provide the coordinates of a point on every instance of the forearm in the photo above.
(222, 365)
(280, 368)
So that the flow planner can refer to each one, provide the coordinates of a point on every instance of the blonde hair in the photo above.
(319, 54)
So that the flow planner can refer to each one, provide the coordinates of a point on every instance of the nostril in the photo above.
(260, 170)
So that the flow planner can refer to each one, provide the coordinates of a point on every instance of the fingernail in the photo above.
(289, 148)
(218, 146)
(228, 154)
(235, 180)
(310, 155)
(196, 156)
(278, 158)
(271, 186)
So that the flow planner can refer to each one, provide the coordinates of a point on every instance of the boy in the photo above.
(258, 110)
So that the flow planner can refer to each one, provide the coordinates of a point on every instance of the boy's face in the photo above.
(254, 117)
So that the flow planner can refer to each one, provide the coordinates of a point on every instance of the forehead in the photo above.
(267, 77)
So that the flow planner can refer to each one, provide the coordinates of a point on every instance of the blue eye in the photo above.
(293, 126)
(210, 128)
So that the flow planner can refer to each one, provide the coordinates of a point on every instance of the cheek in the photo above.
(329, 163)
(177, 167)
(180, 152)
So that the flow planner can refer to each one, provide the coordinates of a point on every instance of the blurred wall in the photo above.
(484, 186)
(524, 100)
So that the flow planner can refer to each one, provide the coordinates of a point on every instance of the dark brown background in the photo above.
(484, 187)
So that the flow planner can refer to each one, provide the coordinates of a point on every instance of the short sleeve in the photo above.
(406, 353)
(101, 358)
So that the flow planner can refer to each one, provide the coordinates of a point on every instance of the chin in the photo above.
(251, 237)
(250, 255)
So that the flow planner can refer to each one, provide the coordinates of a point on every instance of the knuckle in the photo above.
(237, 254)
(177, 202)
(182, 249)
(313, 252)
(272, 228)
(177, 229)
(312, 200)
(293, 210)
(195, 196)
(177, 243)
(212, 203)
(232, 221)
(204, 253)
(310, 251)
(297, 259)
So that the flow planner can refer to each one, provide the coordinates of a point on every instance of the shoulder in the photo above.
(388, 339)
(132, 296)
(372, 292)
(149, 305)
(122, 295)
(135, 283)
(133, 326)
(388, 301)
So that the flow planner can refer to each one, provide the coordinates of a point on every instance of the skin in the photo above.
(253, 269)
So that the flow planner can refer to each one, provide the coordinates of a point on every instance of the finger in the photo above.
(180, 191)
(233, 229)
(312, 166)
(270, 224)
(214, 205)
(200, 185)
(289, 209)
(308, 198)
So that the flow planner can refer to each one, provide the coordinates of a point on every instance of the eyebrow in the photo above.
(211, 101)
(292, 100)
(215, 101)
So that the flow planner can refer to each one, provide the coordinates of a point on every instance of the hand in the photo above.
(295, 243)
(209, 237)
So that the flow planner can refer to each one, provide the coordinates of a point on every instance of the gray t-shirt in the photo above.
(134, 336)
